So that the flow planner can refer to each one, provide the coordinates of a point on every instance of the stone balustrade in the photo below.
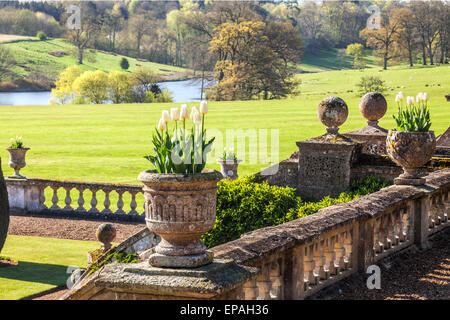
(76, 198)
(297, 259)
(301, 257)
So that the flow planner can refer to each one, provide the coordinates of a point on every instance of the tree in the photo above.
(91, 87)
(124, 64)
(426, 23)
(90, 24)
(371, 84)
(6, 62)
(114, 21)
(41, 36)
(139, 25)
(406, 33)
(256, 58)
(357, 51)
(63, 91)
(119, 87)
(383, 39)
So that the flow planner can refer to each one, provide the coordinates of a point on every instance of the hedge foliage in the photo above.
(244, 205)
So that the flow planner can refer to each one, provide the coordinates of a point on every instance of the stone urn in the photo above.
(17, 161)
(410, 150)
(229, 168)
(180, 208)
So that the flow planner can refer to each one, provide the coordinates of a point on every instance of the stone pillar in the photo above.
(324, 167)
(4, 209)
(23, 195)
(325, 162)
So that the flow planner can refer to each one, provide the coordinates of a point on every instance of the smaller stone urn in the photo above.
(180, 208)
(410, 150)
(229, 168)
(17, 161)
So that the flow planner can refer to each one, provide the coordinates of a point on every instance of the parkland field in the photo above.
(107, 143)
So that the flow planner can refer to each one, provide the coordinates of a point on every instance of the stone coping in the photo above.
(74, 184)
(254, 246)
(151, 176)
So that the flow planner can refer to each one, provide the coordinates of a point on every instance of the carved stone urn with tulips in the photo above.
(180, 195)
(412, 145)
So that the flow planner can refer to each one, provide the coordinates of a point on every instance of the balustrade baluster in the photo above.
(348, 246)
(68, 199)
(94, 202)
(276, 280)
(340, 253)
(308, 267)
(330, 257)
(42, 205)
(80, 200)
(120, 203)
(133, 204)
(55, 199)
(107, 202)
(319, 271)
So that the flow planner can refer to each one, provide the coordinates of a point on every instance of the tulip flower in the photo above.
(419, 97)
(162, 124)
(165, 116)
(184, 112)
(175, 114)
(204, 107)
(397, 99)
(425, 96)
(193, 112)
(400, 96)
(409, 100)
(196, 118)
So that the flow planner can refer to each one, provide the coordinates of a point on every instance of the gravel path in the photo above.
(63, 228)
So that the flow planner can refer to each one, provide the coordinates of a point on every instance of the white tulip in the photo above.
(424, 96)
(400, 96)
(193, 112)
(397, 99)
(409, 101)
(204, 107)
(419, 97)
(184, 112)
(175, 114)
(162, 124)
(196, 118)
(165, 116)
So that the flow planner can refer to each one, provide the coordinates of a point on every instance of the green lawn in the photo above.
(106, 143)
(42, 264)
(34, 54)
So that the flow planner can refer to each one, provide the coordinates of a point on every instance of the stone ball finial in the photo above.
(106, 233)
(332, 112)
(373, 106)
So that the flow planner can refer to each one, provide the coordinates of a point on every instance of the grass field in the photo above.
(106, 143)
(42, 264)
(33, 56)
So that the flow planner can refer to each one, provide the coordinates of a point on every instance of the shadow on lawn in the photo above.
(36, 272)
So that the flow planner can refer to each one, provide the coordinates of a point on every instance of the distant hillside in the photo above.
(48, 58)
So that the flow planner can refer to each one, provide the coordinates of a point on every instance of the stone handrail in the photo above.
(301, 257)
(29, 195)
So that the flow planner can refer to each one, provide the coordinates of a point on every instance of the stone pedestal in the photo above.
(221, 279)
(24, 195)
(324, 165)
(372, 137)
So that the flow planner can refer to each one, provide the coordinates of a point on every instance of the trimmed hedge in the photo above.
(244, 205)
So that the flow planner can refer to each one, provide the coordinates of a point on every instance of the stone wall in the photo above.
(294, 260)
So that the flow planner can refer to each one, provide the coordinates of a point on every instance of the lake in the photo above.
(182, 91)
